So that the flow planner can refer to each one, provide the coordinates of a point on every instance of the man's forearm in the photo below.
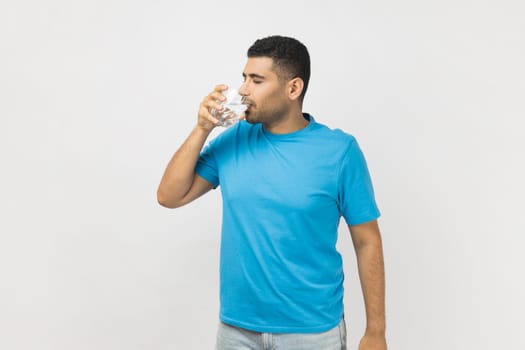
(179, 174)
(372, 276)
(369, 251)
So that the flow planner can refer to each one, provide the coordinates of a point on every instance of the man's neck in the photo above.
(293, 122)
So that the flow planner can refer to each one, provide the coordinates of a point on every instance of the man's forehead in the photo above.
(259, 66)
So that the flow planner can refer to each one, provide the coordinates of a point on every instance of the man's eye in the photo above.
(257, 81)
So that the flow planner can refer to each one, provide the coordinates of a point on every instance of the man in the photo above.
(285, 180)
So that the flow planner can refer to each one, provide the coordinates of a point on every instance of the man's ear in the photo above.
(295, 88)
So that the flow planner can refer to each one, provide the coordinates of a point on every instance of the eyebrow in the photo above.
(253, 75)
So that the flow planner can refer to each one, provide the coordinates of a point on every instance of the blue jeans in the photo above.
(233, 338)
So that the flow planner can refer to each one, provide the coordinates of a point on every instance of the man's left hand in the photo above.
(372, 342)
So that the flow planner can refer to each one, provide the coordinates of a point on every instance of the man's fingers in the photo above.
(212, 119)
(221, 87)
(211, 104)
(217, 96)
(207, 116)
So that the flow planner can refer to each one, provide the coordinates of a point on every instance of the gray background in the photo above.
(95, 96)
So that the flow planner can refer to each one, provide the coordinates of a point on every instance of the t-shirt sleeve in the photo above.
(207, 166)
(356, 194)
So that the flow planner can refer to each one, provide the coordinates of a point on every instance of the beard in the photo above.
(267, 117)
(250, 117)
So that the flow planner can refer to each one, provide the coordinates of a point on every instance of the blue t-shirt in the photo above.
(283, 196)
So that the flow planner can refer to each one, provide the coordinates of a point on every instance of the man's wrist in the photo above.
(375, 331)
(202, 131)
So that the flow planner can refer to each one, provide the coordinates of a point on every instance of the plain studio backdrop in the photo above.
(95, 97)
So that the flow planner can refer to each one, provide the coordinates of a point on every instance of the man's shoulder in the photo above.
(334, 135)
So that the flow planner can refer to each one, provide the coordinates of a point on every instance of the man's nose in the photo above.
(243, 90)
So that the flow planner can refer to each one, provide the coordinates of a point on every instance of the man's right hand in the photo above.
(180, 184)
(206, 120)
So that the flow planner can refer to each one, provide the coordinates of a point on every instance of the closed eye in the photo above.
(256, 78)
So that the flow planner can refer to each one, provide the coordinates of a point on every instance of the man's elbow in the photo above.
(165, 201)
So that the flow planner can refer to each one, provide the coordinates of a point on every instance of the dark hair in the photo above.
(290, 57)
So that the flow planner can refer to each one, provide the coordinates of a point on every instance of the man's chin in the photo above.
(250, 118)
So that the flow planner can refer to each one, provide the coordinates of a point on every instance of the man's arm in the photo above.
(180, 184)
(369, 251)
